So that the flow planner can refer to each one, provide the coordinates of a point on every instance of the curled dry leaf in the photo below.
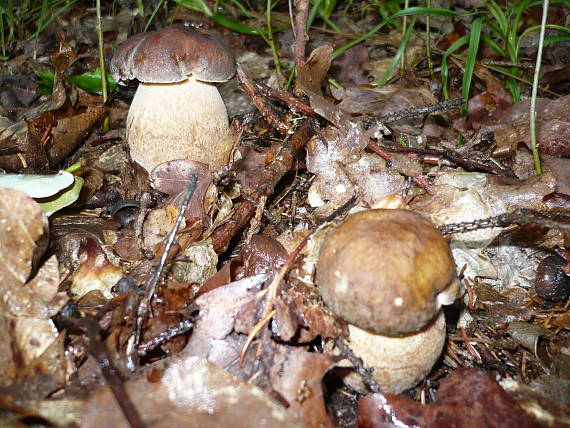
(158, 224)
(25, 229)
(349, 67)
(172, 178)
(551, 283)
(188, 391)
(70, 131)
(467, 398)
(263, 254)
(502, 307)
(219, 310)
(196, 264)
(93, 271)
(459, 197)
(27, 305)
(466, 196)
(52, 118)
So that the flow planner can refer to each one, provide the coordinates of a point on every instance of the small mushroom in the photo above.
(177, 112)
(387, 273)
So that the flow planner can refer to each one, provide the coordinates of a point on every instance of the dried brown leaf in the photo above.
(297, 375)
(467, 398)
(188, 391)
(553, 126)
(70, 131)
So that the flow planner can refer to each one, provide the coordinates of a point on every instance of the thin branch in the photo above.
(153, 282)
(464, 163)
(522, 216)
(301, 39)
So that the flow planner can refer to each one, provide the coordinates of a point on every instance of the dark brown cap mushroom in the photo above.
(387, 271)
(177, 113)
(172, 55)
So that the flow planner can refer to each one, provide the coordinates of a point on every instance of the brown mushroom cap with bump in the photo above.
(387, 271)
(172, 55)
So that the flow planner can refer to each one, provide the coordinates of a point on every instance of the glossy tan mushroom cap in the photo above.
(172, 55)
(387, 271)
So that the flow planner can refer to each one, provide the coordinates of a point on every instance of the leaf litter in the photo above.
(237, 333)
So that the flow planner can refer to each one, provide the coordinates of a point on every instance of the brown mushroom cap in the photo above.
(172, 55)
(387, 271)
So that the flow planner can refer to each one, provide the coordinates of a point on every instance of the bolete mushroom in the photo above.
(177, 112)
(387, 273)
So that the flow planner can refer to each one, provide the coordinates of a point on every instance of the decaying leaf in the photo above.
(172, 178)
(82, 244)
(297, 375)
(343, 170)
(467, 398)
(553, 126)
(27, 305)
(545, 399)
(196, 264)
(188, 391)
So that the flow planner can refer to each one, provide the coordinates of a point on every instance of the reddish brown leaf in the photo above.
(467, 398)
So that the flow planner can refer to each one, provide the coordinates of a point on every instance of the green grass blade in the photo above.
(414, 11)
(497, 13)
(533, 140)
(313, 13)
(462, 41)
(358, 40)
(237, 26)
(493, 45)
(474, 39)
(52, 17)
(556, 39)
(551, 38)
(152, 15)
(401, 50)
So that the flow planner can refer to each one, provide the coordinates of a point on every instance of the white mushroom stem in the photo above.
(185, 120)
(399, 362)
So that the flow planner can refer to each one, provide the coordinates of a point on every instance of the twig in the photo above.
(268, 112)
(357, 363)
(301, 36)
(256, 221)
(464, 163)
(421, 181)
(522, 216)
(98, 349)
(153, 282)
(164, 337)
(283, 154)
(414, 112)
(287, 97)
(526, 65)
